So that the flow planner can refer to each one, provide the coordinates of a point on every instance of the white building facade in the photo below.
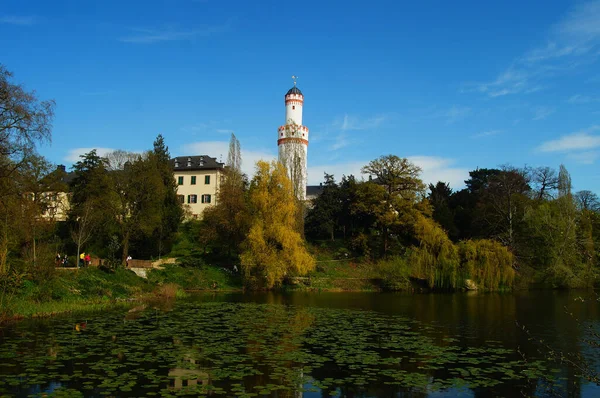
(198, 179)
(292, 141)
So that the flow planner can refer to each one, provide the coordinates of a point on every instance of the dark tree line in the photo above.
(552, 234)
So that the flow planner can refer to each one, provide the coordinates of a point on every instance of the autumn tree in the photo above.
(25, 121)
(273, 248)
(226, 224)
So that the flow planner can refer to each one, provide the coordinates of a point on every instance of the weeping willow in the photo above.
(488, 263)
(436, 258)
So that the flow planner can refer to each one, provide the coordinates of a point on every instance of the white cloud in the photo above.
(488, 133)
(18, 20)
(149, 36)
(582, 140)
(220, 150)
(542, 112)
(74, 154)
(434, 169)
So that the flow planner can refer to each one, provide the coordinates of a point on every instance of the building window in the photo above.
(193, 180)
(180, 180)
(192, 198)
(293, 107)
(181, 199)
(205, 198)
(207, 180)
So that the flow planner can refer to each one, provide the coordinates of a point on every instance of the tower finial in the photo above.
(294, 78)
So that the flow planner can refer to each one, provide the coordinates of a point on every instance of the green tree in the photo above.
(273, 248)
(398, 176)
(390, 197)
(323, 218)
(171, 210)
(139, 191)
(439, 197)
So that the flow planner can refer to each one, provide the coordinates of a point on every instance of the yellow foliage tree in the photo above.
(487, 262)
(436, 258)
(273, 248)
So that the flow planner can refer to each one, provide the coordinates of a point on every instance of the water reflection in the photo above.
(287, 345)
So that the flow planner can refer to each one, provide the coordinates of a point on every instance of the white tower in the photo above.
(292, 140)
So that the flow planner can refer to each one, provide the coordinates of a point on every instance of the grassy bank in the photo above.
(90, 289)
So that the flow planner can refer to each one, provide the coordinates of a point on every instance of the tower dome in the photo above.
(294, 90)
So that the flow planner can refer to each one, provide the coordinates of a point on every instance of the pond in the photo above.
(311, 345)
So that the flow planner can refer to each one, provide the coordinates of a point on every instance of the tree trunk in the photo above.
(125, 248)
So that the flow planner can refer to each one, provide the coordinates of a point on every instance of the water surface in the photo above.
(310, 344)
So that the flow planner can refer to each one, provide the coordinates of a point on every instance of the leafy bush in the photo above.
(395, 273)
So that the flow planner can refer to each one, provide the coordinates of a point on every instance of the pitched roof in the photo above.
(200, 162)
(294, 90)
(314, 190)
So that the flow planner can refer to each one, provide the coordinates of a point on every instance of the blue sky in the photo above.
(451, 85)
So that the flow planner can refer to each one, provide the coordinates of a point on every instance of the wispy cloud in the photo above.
(341, 141)
(349, 122)
(487, 133)
(582, 99)
(453, 114)
(542, 112)
(23, 20)
(339, 133)
(580, 146)
(570, 43)
(149, 36)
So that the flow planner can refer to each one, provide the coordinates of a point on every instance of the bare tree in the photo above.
(587, 200)
(544, 181)
(117, 160)
(83, 230)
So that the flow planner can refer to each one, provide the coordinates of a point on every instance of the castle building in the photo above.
(292, 141)
(198, 179)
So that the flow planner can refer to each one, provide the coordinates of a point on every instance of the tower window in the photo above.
(293, 106)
